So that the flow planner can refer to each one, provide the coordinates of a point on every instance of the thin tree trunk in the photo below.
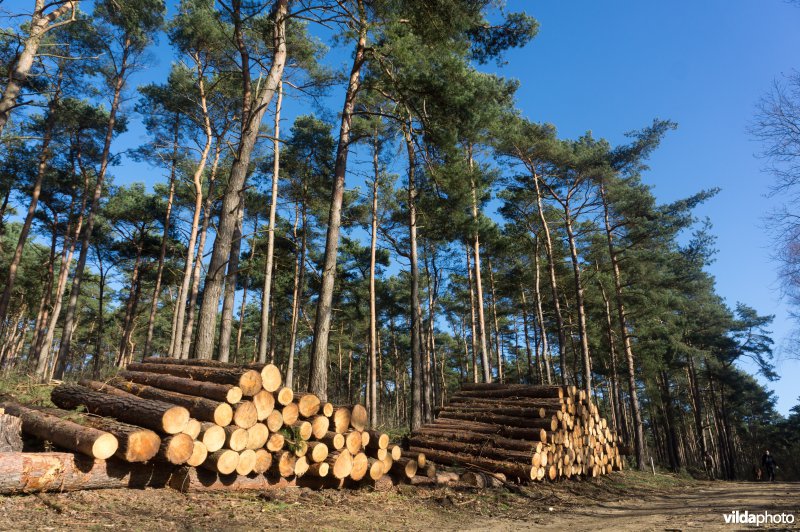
(266, 297)
(498, 352)
(229, 299)
(576, 272)
(40, 24)
(540, 314)
(70, 322)
(122, 356)
(318, 371)
(525, 333)
(473, 321)
(373, 314)
(251, 120)
(297, 296)
(151, 320)
(638, 426)
(476, 247)
(246, 284)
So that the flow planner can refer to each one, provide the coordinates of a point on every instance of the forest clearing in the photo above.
(404, 260)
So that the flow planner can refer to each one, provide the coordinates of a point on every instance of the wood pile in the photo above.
(520, 432)
(165, 417)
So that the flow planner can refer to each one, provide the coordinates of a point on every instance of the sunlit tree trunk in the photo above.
(231, 278)
(545, 350)
(373, 314)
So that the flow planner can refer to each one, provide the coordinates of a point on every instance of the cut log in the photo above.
(245, 415)
(327, 409)
(247, 461)
(320, 426)
(275, 421)
(383, 484)
(176, 449)
(396, 451)
(534, 412)
(489, 428)
(376, 469)
(283, 463)
(320, 469)
(210, 390)
(135, 444)
(360, 467)
(223, 461)
(212, 436)
(199, 454)
(64, 433)
(40, 472)
(341, 420)
(516, 471)
(263, 461)
(378, 440)
(271, 377)
(198, 407)
(155, 415)
(404, 467)
(300, 448)
(466, 436)
(235, 438)
(333, 440)
(561, 405)
(275, 442)
(248, 380)
(302, 429)
(191, 480)
(264, 402)
(510, 421)
(10, 433)
(387, 462)
(285, 396)
(352, 441)
(419, 457)
(290, 413)
(358, 417)
(341, 463)
(365, 437)
(193, 428)
(300, 466)
(317, 451)
(308, 404)
(257, 436)
(511, 390)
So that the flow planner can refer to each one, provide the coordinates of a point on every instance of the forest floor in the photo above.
(622, 501)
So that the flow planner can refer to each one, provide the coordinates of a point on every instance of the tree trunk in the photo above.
(246, 284)
(498, 351)
(373, 314)
(474, 334)
(545, 349)
(297, 295)
(318, 373)
(529, 365)
(638, 425)
(70, 322)
(476, 248)
(576, 272)
(151, 320)
(40, 24)
(266, 297)
(235, 187)
(548, 247)
(231, 278)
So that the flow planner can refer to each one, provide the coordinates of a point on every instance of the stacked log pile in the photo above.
(521, 432)
(199, 424)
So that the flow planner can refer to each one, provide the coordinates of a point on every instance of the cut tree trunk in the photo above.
(64, 433)
(189, 479)
(248, 380)
(156, 415)
(10, 433)
(40, 472)
(176, 449)
(219, 392)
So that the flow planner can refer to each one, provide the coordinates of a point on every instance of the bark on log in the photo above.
(377, 440)
(302, 429)
(283, 464)
(404, 467)
(490, 428)
(210, 390)
(333, 440)
(517, 471)
(487, 451)
(176, 449)
(223, 461)
(40, 472)
(200, 408)
(466, 436)
(10, 433)
(320, 469)
(513, 390)
(136, 444)
(156, 415)
(248, 380)
(359, 418)
(511, 421)
(317, 451)
(64, 433)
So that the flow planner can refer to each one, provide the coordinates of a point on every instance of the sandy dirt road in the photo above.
(623, 501)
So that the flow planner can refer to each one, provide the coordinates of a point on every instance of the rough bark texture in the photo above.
(219, 392)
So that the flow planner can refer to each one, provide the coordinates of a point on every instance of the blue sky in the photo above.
(612, 67)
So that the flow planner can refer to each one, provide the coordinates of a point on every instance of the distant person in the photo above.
(769, 465)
